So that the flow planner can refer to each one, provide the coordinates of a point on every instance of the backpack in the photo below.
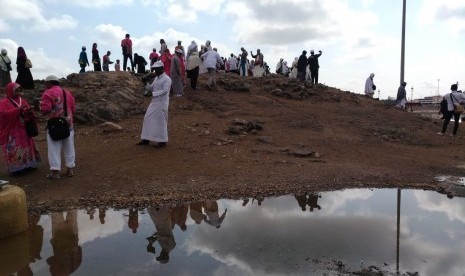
(125, 49)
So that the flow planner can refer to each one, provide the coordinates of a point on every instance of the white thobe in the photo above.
(155, 126)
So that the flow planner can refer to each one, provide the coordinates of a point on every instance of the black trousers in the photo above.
(314, 75)
(447, 118)
(194, 76)
(125, 62)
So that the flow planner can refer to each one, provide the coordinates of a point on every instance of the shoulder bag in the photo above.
(28, 63)
(458, 107)
(58, 127)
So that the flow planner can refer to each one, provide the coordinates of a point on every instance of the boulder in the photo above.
(13, 211)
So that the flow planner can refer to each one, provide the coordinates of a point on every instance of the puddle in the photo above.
(333, 232)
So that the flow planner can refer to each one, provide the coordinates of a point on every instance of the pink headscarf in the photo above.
(10, 89)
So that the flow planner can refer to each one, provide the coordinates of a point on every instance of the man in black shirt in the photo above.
(314, 66)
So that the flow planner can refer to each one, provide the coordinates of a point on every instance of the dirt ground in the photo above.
(279, 137)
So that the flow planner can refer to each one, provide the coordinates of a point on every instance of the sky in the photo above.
(357, 37)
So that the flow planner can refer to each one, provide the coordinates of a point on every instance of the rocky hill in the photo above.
(252, 137)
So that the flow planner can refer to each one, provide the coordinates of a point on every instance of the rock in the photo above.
(13, 211)
(110, 127)
(302, 153)
(265, 139)
(234, 130)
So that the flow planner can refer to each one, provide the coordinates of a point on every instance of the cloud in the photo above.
(101, 3)
(28, 11)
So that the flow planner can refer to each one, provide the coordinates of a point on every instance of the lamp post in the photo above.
(438, 87)
(411, 99)
(402, 46)
(379, 94)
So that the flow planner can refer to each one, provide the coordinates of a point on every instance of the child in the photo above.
(117, 66)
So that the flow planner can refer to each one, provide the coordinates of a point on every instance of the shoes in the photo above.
(142, 143)
(178, 95)
(440, 133)
(160, 145)
(70, 172)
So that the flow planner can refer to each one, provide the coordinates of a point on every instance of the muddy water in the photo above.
(332, 232)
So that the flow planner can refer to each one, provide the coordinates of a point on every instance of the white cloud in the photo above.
(29, 11)
(101, 3)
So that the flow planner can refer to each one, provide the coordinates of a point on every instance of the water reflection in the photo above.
(302, 234)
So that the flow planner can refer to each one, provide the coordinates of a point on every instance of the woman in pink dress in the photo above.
(166, 59)
(19, 149)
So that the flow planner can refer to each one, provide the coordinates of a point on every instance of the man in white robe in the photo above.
(155, 126)
(370, 86)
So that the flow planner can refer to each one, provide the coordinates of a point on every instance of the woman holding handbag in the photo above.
(5, 68)
(19, 148)
(24, 72)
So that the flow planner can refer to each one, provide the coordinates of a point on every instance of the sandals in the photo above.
(70, 172)
(160, 145)
(52, 176)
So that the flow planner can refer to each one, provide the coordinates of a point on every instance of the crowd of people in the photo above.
(168, 72)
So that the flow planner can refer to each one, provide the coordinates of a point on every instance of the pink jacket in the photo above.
(51, 104)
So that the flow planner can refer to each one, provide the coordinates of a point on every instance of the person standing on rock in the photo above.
(106, 62)
(370, 87)
(314, 66)
(83, 61)
(126, 46)
(24, 77)
(155, 125)
(302, 63)
(52, 104)
(452, 98)
(96, 58)
(243, 62)
(5, 68)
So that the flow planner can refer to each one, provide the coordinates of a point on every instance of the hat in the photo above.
(179, 51)
(157, 64)
(51, 78)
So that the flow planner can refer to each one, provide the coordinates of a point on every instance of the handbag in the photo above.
(458, 107)
(58, 127)
(29, 121)
(8, 65)
(31, 127)
(28, 63)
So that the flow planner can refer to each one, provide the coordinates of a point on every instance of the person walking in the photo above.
(5, 68)
(370, 87)
(19, 148)
(314, 65)
(83, 61)
(126, 46)
(155, 125)
(53, 103)
(23, 64)
(153, 57)
(96, 58)
(454, 98)
(193, 66)
(401, 99)
(302, 63)
(212, 59)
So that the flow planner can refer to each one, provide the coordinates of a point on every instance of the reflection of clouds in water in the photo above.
(433, 202)
(334, 202)
(256, 245)
(90, 230)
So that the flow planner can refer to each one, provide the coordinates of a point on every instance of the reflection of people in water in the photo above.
(302, 201)
(196, 212)
(179, 216)
(90, 212)
(67, 254)
(245, 201)
(161, 218)
(133, 220)
(212, 216)
(311, 200)
(36, 234)
(102, 211)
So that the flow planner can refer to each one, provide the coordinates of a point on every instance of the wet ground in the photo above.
(359, 231)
